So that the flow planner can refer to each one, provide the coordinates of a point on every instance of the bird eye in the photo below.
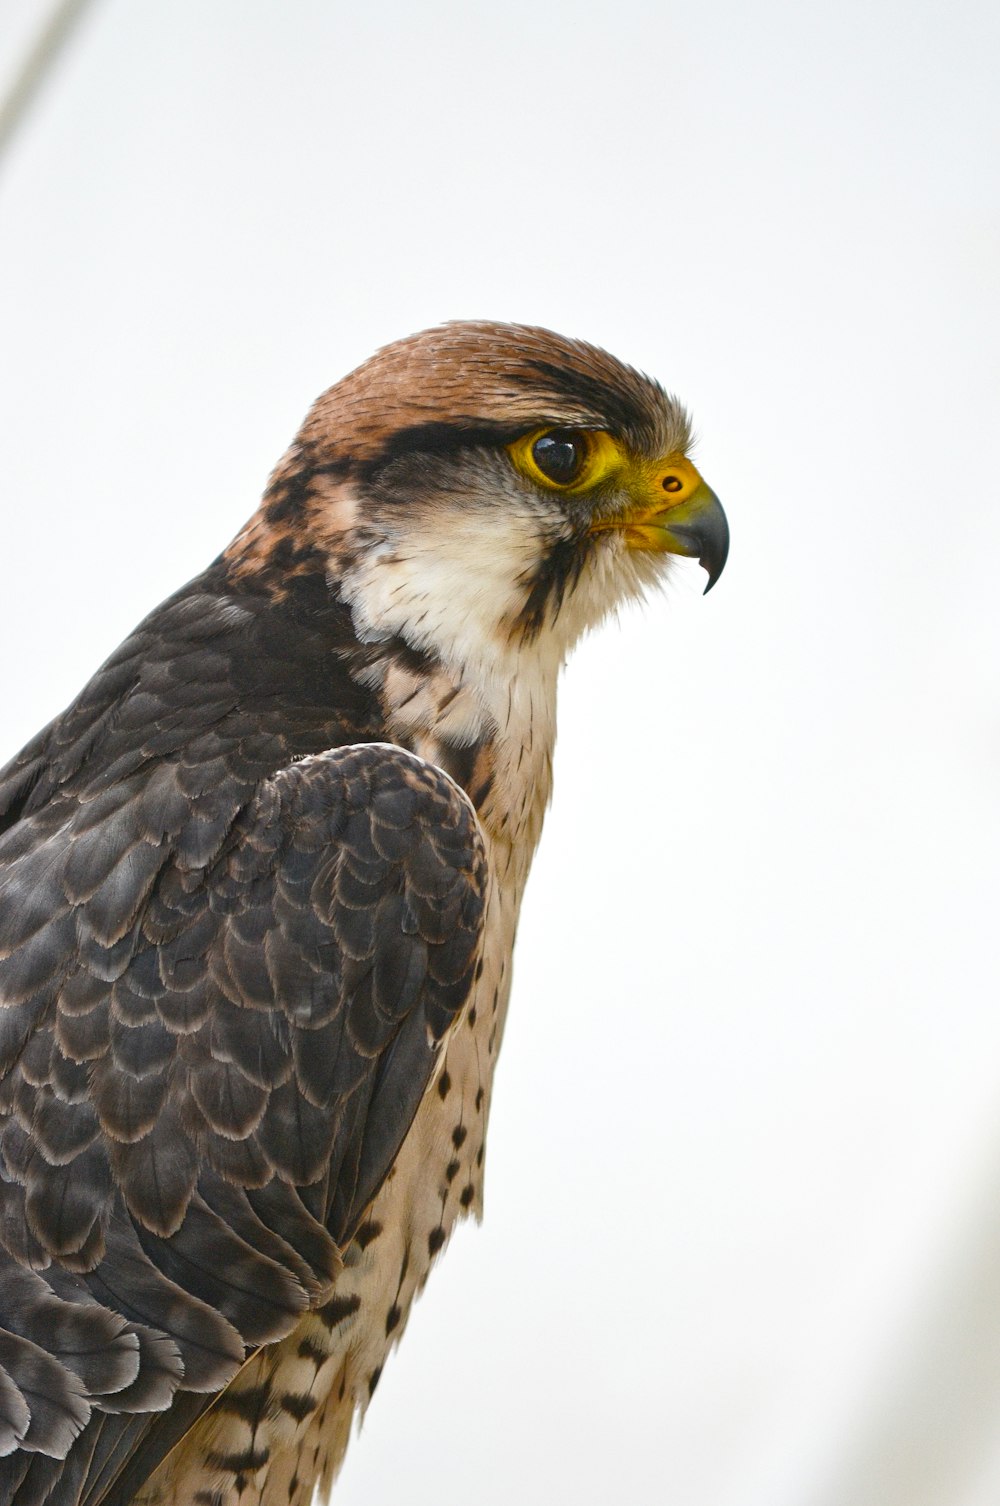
(567, 460)
(560, 455)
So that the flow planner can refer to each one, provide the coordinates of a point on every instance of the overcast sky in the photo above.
(742, 1240)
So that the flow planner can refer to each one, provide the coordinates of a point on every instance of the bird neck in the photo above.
(425, 639)
(491, 726)
(457, 686)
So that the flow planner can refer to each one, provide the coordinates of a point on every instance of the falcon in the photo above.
(259, 886)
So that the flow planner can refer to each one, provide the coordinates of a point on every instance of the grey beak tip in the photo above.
(705, 537)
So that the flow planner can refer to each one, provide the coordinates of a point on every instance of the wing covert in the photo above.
(213, 1043)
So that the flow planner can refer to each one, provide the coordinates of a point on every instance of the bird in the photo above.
(259, 885)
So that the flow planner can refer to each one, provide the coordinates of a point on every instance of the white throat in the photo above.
(447, 596)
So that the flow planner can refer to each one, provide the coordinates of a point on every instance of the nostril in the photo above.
(672, 483)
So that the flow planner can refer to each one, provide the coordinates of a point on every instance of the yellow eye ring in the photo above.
(566, 459)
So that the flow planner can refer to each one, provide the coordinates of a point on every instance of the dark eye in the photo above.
(560, 454)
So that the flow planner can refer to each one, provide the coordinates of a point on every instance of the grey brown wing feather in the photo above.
(210, 1063)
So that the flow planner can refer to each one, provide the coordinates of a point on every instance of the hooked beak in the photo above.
(686, 517)
(697, 528)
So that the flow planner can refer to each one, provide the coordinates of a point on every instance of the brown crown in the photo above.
(485, 376)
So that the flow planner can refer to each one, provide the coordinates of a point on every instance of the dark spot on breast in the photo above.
(310, 1350)
(435, 1240)
(452, 1169)
(479, 1156)
(369, 1230)
(480, 791)
(479, 969)
(298, 1404)
(459, 1135)
(338, 1308)
(480, 1095)
(374, 1379)
(468, 1193)
(392, 1318)
(241, 1462)
(444, 1084)
(248, 1404)
(473, 1017)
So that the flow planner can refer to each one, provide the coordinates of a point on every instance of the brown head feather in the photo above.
(458, 385)
(485, 376)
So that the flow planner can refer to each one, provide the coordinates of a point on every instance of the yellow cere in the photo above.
(661, 494)
(672, 481)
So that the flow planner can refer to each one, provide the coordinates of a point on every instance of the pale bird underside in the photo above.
(258, 891)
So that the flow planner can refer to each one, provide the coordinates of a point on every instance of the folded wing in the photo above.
(212, 1047)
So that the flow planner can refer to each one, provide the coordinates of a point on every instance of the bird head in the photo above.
(480, 486)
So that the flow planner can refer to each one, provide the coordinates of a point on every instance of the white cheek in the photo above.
(451, 583)
(456, 581)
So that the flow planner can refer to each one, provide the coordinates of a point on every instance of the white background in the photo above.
(742, 1244)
